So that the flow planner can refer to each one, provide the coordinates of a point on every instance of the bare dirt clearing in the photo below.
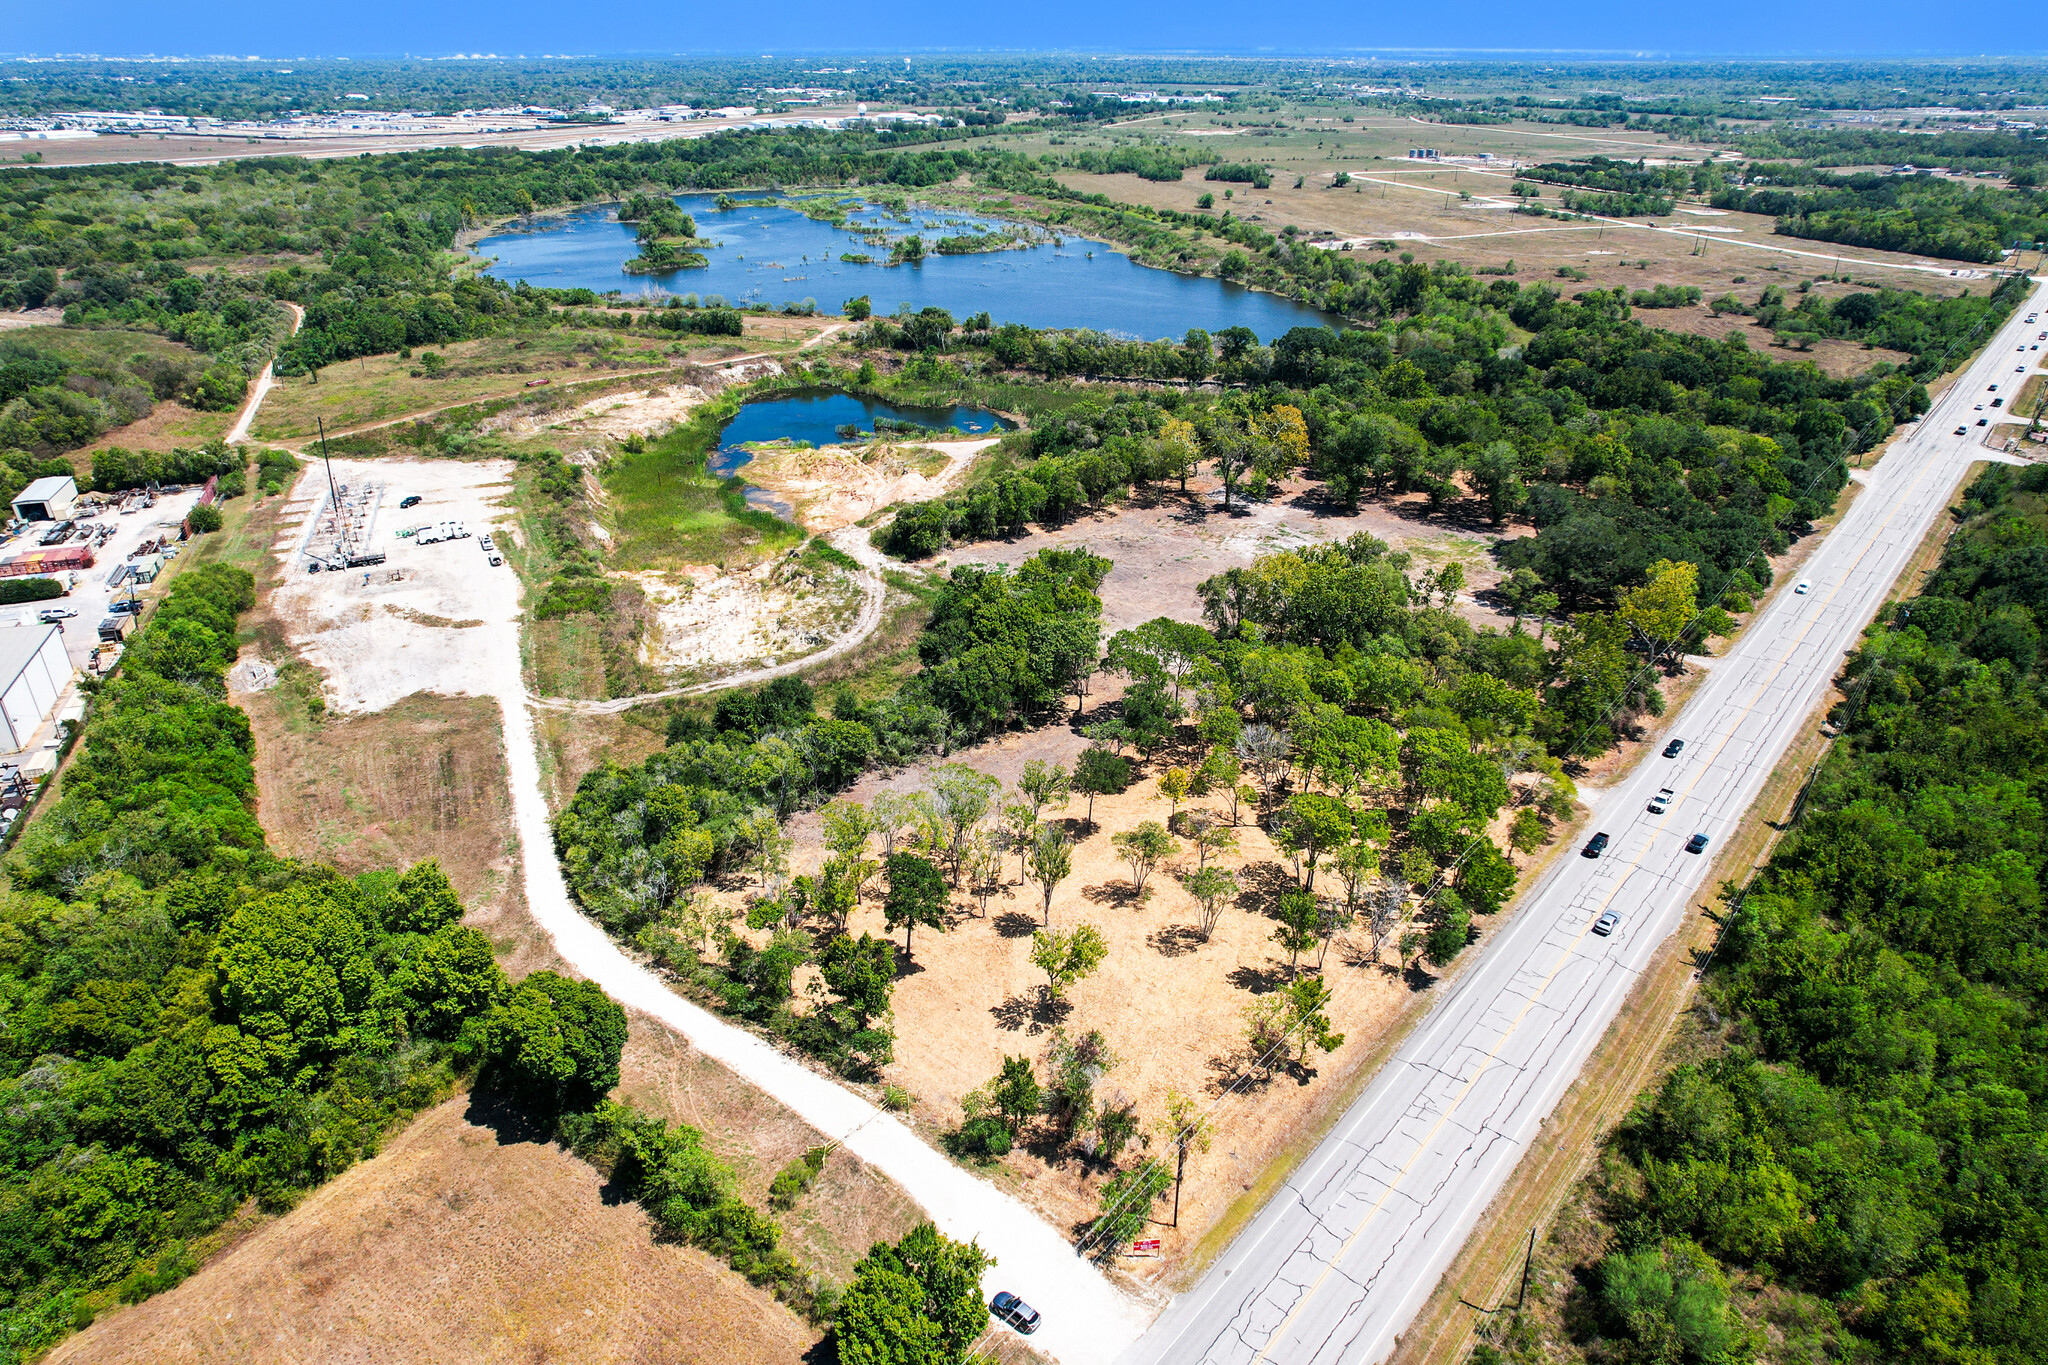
(1164, 547)
(464, 1241)
(1837, 359)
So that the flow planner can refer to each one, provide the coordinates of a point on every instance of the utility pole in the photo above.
(1523, 1297)
(333, 494)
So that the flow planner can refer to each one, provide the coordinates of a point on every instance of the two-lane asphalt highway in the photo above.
(1335, 1266)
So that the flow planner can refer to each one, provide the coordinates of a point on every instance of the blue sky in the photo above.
(533, 27)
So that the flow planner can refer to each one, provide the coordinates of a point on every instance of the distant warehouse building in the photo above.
(47, 499)
(34, 671)
(37, 563)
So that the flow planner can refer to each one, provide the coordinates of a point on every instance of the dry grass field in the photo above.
(466, 1240)
(1458, 210)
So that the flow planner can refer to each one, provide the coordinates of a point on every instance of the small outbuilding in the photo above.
(34, 671)
(47, 499)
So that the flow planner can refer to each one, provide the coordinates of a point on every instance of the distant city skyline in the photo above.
(1468, 29)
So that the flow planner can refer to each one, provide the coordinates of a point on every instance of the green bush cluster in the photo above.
(114, 468)
(691, 1195)
(14, 590)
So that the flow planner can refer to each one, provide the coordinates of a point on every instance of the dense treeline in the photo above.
(1921, 214)
(2018, 154)
(1869, 1142)
(1617, 177)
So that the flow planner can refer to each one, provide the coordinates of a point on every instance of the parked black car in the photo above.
(1013, 1310)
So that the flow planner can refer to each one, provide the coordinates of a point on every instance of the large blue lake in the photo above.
(774, 255)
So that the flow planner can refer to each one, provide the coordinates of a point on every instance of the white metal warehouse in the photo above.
(34, 671)
(47, 499)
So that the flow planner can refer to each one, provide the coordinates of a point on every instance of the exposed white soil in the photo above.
(431, 618)
(703, 619)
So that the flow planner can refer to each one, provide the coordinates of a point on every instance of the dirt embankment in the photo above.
(834, 486)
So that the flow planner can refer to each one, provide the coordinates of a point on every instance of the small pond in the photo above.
(823, 417)
(768, 253)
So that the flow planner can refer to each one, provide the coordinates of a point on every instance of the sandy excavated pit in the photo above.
(704, 619)
(835, 486)
(431, 618)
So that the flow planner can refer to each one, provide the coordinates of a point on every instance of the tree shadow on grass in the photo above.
(1015, 924)
(1176, 940)
(1032, 1012)
(906, 965)
(1238, 1069)
(1118, 893)
(1257, 980)
(509, 1117)
(1261, 885)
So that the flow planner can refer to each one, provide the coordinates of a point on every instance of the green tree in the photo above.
(1016, 1094)
(1317, 823)
(1052, 859)
(848, 827)
(1127, 1200)
(1044, 784)
(452, 978)
(1450, 933)
(915, 1303)
(1496, 474)
(423, 901)
(1174, 784)
(1526, 833)
(1067, 956)
(1211, 838)
(1298, 915)
(960, 800)
(1212, 888)
(1098, 772)
(556, 1042)
(916, 895)
(861, 972)
(1307, 1002)
(1485, 876)
(1143, 848)
(1665, 605)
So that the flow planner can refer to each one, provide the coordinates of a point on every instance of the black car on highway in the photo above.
(1672, 749)
(1595, 846)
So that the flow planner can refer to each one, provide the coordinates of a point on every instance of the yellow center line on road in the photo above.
(1898, 504)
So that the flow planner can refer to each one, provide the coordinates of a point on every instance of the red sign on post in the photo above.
(1150, 1244)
